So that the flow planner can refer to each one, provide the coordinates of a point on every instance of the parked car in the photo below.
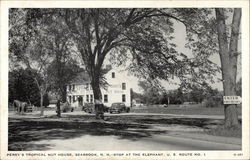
(90, 108)
(118, 108)
(106, 109)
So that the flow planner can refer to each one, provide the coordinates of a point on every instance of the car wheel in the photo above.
(72, 109)
(110, 112)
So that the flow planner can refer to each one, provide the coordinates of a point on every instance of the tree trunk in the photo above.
(58, 108)
(64, 94)
(41, 104)
(95, 83)
(41, 96)
(228, 56)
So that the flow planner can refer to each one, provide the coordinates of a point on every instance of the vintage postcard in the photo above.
(124, 79)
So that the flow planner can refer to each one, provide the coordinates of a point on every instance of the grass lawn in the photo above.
(220, 130)
(187, 110)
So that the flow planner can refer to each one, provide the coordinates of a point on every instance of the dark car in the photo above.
(90, 108)
(118, 108)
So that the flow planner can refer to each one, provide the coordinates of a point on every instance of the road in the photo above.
(132, 132)
(154, 143)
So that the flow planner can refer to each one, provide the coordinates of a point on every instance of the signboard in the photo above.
(231, 99)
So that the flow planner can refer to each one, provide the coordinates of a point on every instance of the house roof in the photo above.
(81, 78)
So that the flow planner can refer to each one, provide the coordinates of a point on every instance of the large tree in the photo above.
(209, 31)
(64, 67)
(40, 41)
(29, 48)
(228, 49)
(215, 31)
(98, 32)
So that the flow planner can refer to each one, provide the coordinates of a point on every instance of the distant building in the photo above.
(118, 89)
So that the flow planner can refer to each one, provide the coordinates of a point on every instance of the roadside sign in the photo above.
(231, 99)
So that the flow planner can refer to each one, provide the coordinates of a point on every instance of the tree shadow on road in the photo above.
(23, 133)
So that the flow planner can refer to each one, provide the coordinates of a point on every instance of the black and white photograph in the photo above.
(125, 80)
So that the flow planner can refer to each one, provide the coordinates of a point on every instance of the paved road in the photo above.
(133, 131)
(156, 142)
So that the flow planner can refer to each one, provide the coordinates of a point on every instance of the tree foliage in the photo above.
(151, 94)
(36, 39)
(68, 71)
(22, 86)
(98, 32)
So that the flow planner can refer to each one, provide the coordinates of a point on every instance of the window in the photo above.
(91, 98)
(123, 86)
(105, 98)
(113, 74)
(69, 87)
(79, 99)
(74, 99)
(73, 87)
(87, 98)
(69, 99)
(123, 98)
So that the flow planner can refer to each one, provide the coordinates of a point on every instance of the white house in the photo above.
(118, 90)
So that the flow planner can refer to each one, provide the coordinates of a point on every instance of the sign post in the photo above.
(231, 99)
